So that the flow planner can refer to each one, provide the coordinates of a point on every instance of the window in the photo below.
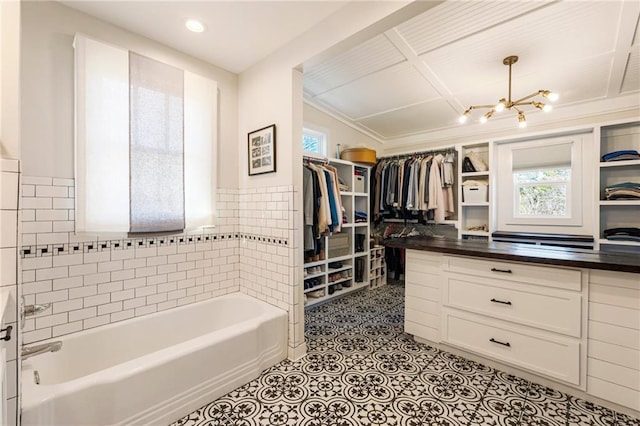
(314, 141)
(542, 192)
(541, 187)
(145, 143)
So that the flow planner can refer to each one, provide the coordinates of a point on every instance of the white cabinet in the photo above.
(620, 213)
(613, 364)
(343, 264)
(474, 207)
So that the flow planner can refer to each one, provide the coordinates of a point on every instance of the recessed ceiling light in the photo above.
(194, 25)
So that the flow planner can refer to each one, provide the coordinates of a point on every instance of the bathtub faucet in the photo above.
(30, 351)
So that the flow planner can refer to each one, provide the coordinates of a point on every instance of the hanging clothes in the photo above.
(416, 187)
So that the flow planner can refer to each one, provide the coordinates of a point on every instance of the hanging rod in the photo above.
(412, 154)
(320, 160)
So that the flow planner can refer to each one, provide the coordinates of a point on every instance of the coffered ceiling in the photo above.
(420, 76)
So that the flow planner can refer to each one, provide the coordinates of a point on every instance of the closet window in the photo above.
(314, 141)
(145, 143)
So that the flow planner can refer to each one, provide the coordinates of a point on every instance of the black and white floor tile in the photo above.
(361, 369)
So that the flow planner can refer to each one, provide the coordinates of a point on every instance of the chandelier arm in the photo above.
(525, 98)
(516, 108)
(480, 106)
(532, 103)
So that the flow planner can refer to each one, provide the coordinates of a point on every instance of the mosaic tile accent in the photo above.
(361, 369)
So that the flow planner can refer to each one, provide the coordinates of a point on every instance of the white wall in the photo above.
(47, 87)
(338, 132)
(9, 79)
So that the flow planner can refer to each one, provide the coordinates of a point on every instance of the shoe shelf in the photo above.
(377, 267)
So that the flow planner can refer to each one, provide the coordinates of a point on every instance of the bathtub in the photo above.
(156, 368)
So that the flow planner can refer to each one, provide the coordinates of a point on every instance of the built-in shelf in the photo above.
(475, 174)
(620, 203)
(618, 242)
(623, 163)
(476, 233)
(482, 204)
(345, 290)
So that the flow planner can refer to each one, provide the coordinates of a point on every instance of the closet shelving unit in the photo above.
(474, 214)
(342, 250)
(618, 213)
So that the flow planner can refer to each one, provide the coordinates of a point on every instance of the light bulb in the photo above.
(553, 96)
(194, 25)
(483, 119)
(547, 108)
(462, 119)
(522, 121)
(501, 105)
(486, 117)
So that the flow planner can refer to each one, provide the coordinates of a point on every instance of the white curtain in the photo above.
(155, 172)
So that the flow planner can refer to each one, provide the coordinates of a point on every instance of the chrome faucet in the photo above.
(30, 351)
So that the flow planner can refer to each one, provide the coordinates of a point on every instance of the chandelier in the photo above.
(509, 104)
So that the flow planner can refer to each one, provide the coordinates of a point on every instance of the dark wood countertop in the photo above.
(546, 255)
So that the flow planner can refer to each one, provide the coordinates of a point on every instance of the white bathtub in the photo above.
(156, 368)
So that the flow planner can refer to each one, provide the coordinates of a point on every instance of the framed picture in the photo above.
(262, 150)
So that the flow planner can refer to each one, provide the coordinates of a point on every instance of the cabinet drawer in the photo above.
(550, 276)
(541, 352)
(537, 306)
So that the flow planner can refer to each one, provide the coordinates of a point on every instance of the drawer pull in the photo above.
(492, 340)
(501, 301)
(506, 271)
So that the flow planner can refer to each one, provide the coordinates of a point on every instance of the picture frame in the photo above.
(262, 150)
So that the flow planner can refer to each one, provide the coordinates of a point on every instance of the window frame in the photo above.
(323, 135)
(578, 218)
(565, 183)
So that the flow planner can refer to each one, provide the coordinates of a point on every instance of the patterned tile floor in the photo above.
(362, 370)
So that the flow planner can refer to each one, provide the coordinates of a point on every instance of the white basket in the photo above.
(475, 194)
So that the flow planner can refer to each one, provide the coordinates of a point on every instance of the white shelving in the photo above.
(622, 213)
(377, 267)
(474, 214)
(342, 267)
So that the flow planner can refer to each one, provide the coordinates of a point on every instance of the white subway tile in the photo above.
(51, 320)
(86, 269)
(63, 226)
(145, 272)
(63, 204)
(185, 266)
(134, 303)
(186, 283)
(28, 239)
(97, 256)
(186, 300)
(37, 180)
(36, 335)
(135, 283)
(123, 254)
(36, 203)
(52, 273)
(144, 310)
(87, 290)
(125, 274)
(167, 250)
(27, 216)
(114, 265)
(195, 256)
(82, 314)
(167, 269)
(157, 260)
(146, 291)
(122, 295)
(99, 278)
(63, 182)
(96, 321)
(135, 263)
(167, 305)
(177, 294)
(68, 328)
(186, 248)
(37, 287)
(146, 251)
(64, 283)
(52, 238)
(99, 299)
(36, 227)
(48, 214)
(176, 276)
(156, 298)
(109, 308)
(66, 306)
(177, 258)
(67, 260)
(110, 287)
(51, 191)
(166, 287)
(8, 228)
(157, 279)
(122, 315)
(28, 190)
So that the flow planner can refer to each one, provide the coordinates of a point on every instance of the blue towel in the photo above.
(627, 154)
